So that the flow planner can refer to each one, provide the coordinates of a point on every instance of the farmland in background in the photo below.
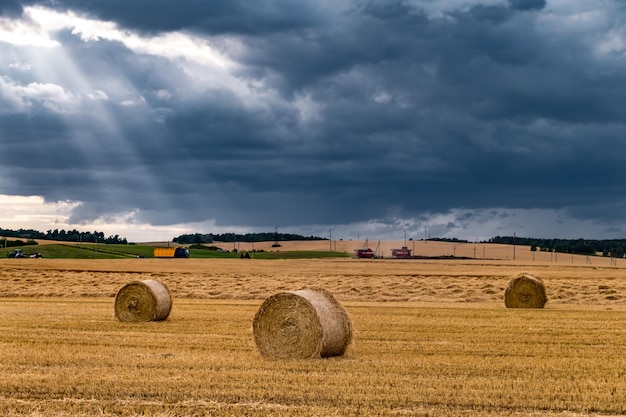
(314, 249)
(431, 338)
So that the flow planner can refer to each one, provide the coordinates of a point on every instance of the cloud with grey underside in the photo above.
(353, 110)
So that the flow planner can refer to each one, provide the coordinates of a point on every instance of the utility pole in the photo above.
(514, 246)
(330, 238)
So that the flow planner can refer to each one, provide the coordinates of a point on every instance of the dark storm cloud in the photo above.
(466, 95)
(215, 17)
(10, 8)
(410, 112)
(528, 4)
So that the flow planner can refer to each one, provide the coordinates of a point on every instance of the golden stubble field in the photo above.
(432, 338)
(490, 251)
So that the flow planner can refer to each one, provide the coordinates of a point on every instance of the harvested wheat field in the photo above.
(430, 338)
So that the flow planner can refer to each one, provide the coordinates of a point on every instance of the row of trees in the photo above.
(76, 236)
(198, 238)
(610, 247)
(6, 243)
(446, 239)
(65, 236)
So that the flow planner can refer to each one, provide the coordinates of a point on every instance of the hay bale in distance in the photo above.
(308, 323)
(525, 291)
(146, 300)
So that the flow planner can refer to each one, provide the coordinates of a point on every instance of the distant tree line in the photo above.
(195, 238)
(64, 236)
(21, 233)
(198, 238)
(447, 239)
(611, 247)
(5, 243)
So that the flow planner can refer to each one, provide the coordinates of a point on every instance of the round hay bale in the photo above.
(525, 291)
(146, 300)
(308, 323)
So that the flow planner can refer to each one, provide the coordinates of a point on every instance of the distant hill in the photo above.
(186, 239)
(608, 247)
(63, 236)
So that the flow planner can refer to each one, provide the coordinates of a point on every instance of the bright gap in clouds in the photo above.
(95, 132)
(472, 225)
(63, 89)
(33, 212)
(69, 92)
(185, 49)
(100, 139)
(22, 32)
(209, 61)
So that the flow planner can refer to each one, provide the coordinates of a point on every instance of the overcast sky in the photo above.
(444, 118)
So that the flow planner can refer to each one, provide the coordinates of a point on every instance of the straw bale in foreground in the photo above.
(146, 300)
(525, 291)
(307, 323)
